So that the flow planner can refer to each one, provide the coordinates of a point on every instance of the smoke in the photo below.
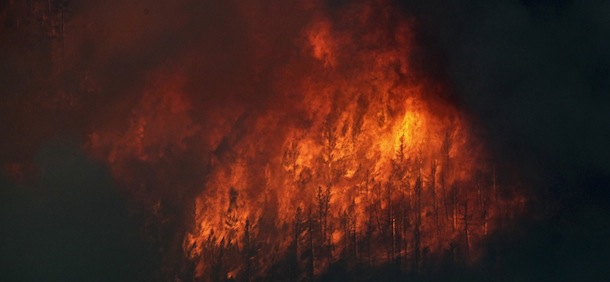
(536, 76)
(70, 224)
(534, 72)
(195, 75)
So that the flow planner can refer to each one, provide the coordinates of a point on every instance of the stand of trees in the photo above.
(416, 216)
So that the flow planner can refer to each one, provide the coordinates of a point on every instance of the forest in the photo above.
(304, 141)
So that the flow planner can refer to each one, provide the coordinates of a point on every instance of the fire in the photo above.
(321, 43)
(357, 164)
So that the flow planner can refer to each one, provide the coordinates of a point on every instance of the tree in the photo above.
(295, 249)
(445, 150)
(466, 218)
(434, 199)
(249, 251)
(348, 222)
(323, 203)
(310, 231)
(399, 212)
(418, 223)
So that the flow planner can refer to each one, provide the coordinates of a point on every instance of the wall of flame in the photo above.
(329, 107)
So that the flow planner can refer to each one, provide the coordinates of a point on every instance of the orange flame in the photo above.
(359, 161)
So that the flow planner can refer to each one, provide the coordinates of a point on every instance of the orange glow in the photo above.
(356, 160)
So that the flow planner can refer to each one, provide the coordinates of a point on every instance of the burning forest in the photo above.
(272, 141)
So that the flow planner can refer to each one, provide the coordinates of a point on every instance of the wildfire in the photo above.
(356, 164)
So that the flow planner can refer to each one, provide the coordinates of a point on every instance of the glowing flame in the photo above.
(357, 163)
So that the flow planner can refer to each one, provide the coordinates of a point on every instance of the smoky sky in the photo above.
(63, 216)
(535, 75)
(70, 225)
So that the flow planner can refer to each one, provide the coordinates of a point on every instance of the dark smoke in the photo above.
(534, 74)
(63, 215)
(70, 224)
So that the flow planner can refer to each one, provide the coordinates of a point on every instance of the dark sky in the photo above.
(537, 76)
(537, 73)
(534, 74)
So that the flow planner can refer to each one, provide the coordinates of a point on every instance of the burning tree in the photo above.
(356, 162)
